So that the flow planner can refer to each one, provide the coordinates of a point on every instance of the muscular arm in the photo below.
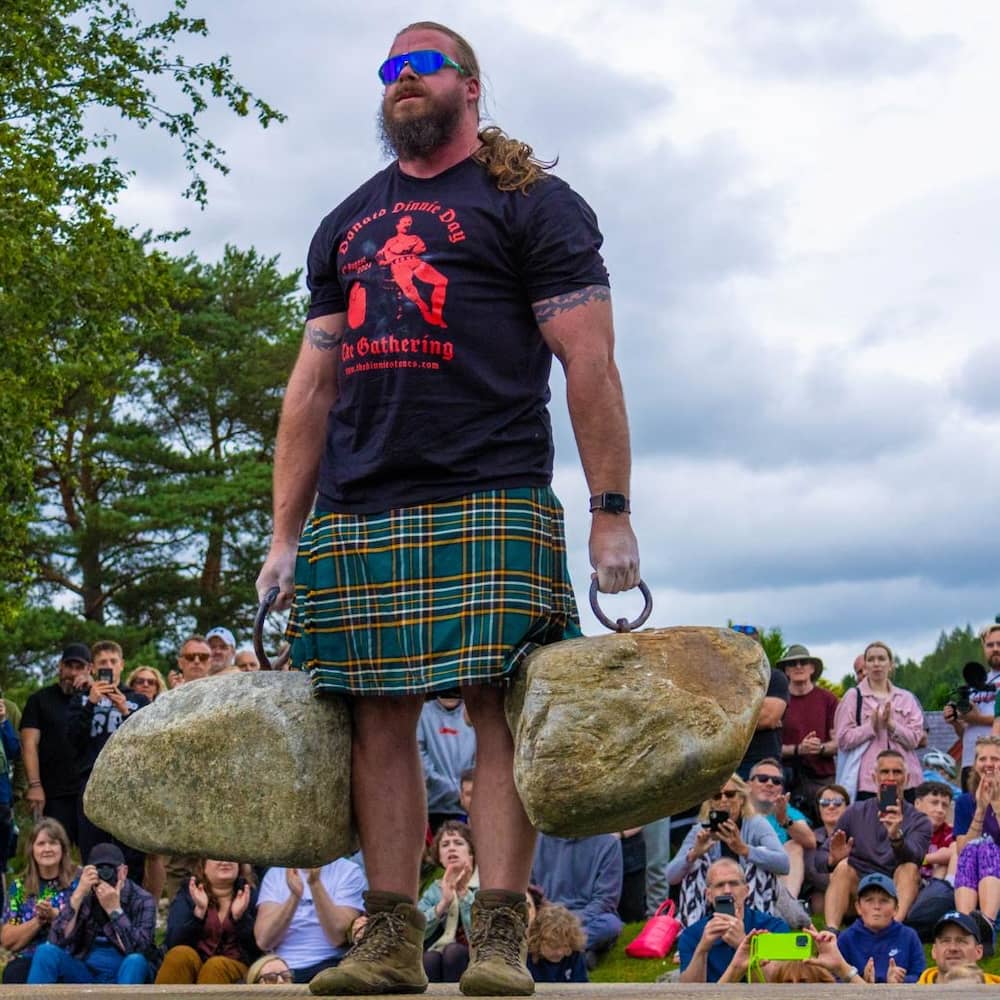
(579, 331)
(311, 391)
(772, 711)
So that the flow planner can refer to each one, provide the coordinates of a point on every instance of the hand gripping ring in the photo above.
(623, 624)
(258, 633)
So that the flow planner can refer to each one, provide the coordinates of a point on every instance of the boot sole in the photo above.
(366, 991)
(492, 990)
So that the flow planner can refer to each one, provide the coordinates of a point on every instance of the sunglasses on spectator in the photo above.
(825, 803)
(270, 978)
(200, 657)
(768, 779)
(423, 62)
(143, 680)
(724, 794)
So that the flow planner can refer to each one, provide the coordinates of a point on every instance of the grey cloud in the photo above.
(829, 39)
(978, 384)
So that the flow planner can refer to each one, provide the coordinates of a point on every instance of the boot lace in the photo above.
(498, 933)
(382, 936)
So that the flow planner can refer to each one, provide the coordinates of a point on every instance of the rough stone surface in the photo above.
(614, 731)
(247, 766)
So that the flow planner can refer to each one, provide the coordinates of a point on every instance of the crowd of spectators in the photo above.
(839, 823)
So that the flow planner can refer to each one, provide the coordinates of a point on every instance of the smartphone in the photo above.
(781, 947)
(716, 817)
(888, 795)
(725, 904)
(105, 675)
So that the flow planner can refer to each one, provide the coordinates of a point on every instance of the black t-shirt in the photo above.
(46, 710)
(442, 374)
(767, 742)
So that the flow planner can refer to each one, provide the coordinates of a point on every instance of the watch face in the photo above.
(615, 503)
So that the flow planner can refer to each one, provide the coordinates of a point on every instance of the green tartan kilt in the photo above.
(431, 597)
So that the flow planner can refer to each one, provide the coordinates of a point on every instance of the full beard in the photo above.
(417, 136)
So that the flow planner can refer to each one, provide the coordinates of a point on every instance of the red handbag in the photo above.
(657, 938)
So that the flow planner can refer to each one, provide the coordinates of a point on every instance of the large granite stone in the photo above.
(247, 766)
(615, 731)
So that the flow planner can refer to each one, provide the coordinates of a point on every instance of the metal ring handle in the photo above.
(623, 624)
(266, 602)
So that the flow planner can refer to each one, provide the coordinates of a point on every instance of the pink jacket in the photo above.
(908, 717)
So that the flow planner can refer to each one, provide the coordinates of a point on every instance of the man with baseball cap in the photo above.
(102, 934)
(808, 745)
(958, 940)
(50, 760)
(222, 643)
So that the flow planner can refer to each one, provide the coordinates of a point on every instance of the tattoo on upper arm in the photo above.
(548, 309)
(322, 340)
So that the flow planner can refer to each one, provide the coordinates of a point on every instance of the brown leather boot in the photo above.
(389, 956)
(498, 949)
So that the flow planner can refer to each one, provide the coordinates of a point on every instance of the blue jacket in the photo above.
(12, 751)
(857, 944)
(571, 969)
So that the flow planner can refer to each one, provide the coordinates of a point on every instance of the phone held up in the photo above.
(716, 817)
(888, 795)
(105, 675)
(787, 947)
(725, 904)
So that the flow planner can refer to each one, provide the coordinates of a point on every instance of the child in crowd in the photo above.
(933, 799)
(878, 945)
(556, 945)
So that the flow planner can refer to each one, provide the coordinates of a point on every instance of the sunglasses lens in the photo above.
(423, 62)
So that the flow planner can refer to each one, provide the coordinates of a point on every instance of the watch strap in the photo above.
(612, 503)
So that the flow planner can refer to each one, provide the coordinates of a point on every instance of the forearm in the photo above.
(272, 924)
(15, 937)
(697, 968)
(801, 834)
(29, 755)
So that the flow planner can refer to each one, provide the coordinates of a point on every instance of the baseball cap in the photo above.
(876, 880)
(77, 651)
(105, 854)
(222, 633)
(967, 923)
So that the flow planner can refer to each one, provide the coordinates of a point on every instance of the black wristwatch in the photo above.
(611, 503)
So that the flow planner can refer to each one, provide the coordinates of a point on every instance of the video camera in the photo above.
(974, 675)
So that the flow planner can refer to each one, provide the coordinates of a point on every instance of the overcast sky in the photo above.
(800, 202)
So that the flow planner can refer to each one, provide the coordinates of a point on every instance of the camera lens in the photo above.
(801, 941)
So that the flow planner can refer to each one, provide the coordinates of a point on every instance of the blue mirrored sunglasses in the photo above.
(745, 629)
(424, 62)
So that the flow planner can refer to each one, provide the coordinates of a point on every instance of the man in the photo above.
(438, 444)
(103, 933)
(50, 761)
(958, 940)
(706, 948)
(809, 747)
(222, 644)
(246, 660)
(585, 875)
(768, 798)
(766, 740)
(102, 704)
(447, 747)
(304, 914)
(466, 784)
(892, 841)
(194, 659)
(860, 668)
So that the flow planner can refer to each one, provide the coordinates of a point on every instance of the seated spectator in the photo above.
(884, 949)
(447, 903)
(977, 834)
(303, 915)
(827, 966)
(269, 970)
(585, 875)
(102, 934)
(958, 942)
(556, 946)
(706, 948)
(831, 801)
(210, 927)
(34, 900)
(933, 799)
(790, 826)
(966, 974)
(867, 840)
(447, 747)
(940, 766)
(752, 842)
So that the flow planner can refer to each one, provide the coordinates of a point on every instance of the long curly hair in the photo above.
(511, 163)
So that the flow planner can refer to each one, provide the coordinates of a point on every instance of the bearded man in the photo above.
(434, 556)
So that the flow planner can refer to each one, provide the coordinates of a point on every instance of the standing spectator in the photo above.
(147, 681)
(447, 747)
(831, 801)
(303, 914)
(103, 933)
(466, 784)
(809, 744)
(50, 762)
(584, 874)
(978, 720)
(891, 719)
(210, 927)
(10, 751)
(744, 837)
(222, 644)
(34, 900)
(194, 659)
(977, 834)
(246, 661)
(766, 739)
(101, 705)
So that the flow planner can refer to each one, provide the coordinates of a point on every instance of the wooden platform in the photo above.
(589, 991)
